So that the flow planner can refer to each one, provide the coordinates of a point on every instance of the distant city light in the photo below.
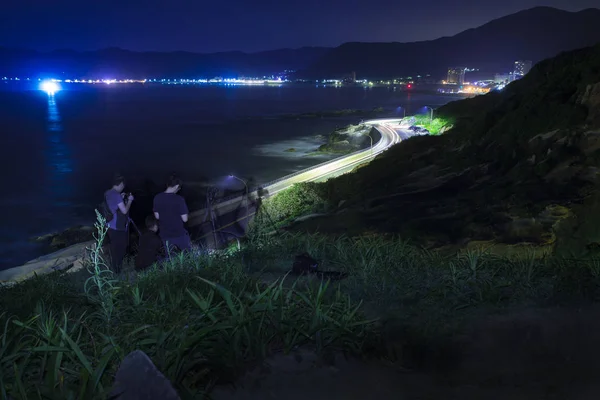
(49, 87)
(53, 85)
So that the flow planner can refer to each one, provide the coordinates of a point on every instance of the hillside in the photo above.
(533, 34)
(119, 63)
(518, 167)
(381, 317)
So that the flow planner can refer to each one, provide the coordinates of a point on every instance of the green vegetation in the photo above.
(200, 319)
(434, 127)
(302, 198)
(204, 319)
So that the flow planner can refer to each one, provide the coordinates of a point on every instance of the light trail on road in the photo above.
(389, 136)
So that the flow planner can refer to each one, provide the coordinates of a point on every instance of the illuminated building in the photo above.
(522, 67)
(503, 78)
(350, 78)
(474, 90)
(456, 76)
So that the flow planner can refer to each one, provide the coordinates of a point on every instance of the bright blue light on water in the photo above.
(50, 87)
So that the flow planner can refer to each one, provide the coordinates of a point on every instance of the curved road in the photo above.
(391, 133)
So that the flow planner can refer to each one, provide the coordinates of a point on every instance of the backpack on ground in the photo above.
(304, 264)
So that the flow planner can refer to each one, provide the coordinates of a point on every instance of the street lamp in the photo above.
(241, 180)
(431, 121)
(403, 109)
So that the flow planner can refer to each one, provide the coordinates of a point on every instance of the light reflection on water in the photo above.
(58, 154)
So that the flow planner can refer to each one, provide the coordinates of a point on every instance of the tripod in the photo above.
(211, 197)
(260, 210)
(135, 226)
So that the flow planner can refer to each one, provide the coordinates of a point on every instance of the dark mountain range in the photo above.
(533, 34)
(119, 63)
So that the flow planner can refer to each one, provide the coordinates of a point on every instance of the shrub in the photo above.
(434, 127)
(300, 199)
(199, 318)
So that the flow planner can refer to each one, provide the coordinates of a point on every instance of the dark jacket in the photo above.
(150, 250)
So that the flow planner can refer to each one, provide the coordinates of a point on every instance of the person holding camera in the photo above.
(172, 213)
(118, 203)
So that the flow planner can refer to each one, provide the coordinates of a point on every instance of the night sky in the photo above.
(246, 25)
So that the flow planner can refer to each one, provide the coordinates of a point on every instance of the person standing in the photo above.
(172, 213)
(150, 248)
(118, 226)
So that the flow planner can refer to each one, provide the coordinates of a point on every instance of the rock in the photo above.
(524, 230)
(590, 175)
(290, 150)
(446, 128)
(590, 142)
(68, 237)
(591, 99)
(139, 379)
(543, 137)
(553, 214)
(562, 173)
(71, 258)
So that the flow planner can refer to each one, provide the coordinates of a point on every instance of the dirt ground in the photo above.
(533, 354)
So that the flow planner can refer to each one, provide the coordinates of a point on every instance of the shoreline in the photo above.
(71, 256)
(30, 251)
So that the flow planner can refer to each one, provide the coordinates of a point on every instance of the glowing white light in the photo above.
(50, 87)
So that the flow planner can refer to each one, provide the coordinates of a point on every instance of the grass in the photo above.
(204, 319)
(421, 286)
(201, 319)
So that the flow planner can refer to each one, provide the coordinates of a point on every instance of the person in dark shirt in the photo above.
(172, 213)
(150, 249)
(118, 227)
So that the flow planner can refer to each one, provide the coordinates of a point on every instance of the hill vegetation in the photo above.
(518, 167)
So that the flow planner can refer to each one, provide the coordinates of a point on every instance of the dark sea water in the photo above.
(60, 151)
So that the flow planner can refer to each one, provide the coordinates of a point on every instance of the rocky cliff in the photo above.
(519, 169)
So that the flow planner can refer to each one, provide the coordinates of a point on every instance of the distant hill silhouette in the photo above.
(533, 34)
(119, 63)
